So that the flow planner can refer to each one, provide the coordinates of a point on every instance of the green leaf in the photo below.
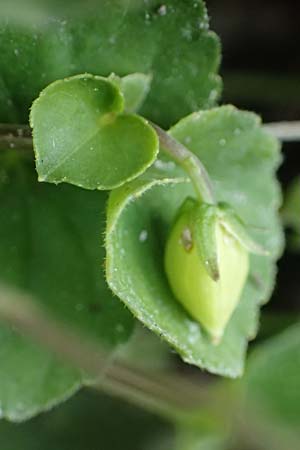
(272, 389)
(32, 379)
(144, 350)
(241, 160)
(89, 421)
(202, 437)
(81, 137)
(185, 64)
(134, 88)
(171, 41)
(51, 247)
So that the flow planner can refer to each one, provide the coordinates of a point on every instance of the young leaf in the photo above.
(51, 247)
(81, 137)
(172, 41)
(241, 160)
(134, 88)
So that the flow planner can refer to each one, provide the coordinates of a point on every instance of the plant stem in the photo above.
(19, 137)
(162, 393)
(284, 131)
(15, 136)
(189, 162)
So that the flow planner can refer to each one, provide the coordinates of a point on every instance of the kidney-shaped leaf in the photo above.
(81, 137)
(241, 159)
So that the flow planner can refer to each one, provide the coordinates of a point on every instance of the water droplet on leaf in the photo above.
(143, 236)
(162, 10)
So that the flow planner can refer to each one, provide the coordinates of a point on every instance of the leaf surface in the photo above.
(75, 426)
(80, 135)
(51, 247)
(170, 41)
(272, 389)
(241, 160)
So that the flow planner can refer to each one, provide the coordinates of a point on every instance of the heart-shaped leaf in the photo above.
(241, 159)
(81, 137)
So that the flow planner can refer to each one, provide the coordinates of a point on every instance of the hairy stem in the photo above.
(162, 393)
(19, 137)
(189, 162)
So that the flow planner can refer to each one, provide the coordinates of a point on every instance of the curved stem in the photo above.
(189, 162)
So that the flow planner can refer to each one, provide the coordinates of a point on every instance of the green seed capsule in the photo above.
(209, 289)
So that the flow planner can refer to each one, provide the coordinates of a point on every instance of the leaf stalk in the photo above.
(189, 162)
